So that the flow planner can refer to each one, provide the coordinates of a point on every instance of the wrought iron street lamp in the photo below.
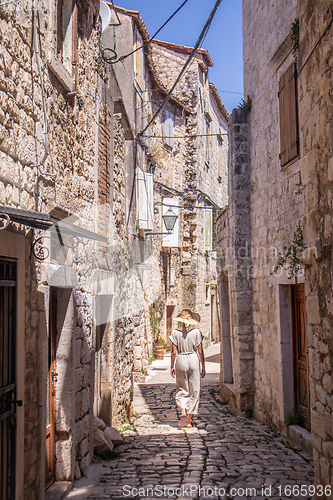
(169, 219)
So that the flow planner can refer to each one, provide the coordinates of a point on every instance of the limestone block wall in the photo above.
(276, 201)
(235, 276)
(67, 180)
(169, 64)
(200, 179)
(317, 175)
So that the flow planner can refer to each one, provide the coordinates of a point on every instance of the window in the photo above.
(168, 128)
(210, 229)
(289, 138)
(66, 34)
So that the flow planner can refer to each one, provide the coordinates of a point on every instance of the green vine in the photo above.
(291, 254)
(294, 35)
(154, 322)
(246, 105)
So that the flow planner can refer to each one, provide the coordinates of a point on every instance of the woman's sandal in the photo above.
(182, 421)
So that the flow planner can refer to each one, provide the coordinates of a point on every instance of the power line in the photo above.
(230, 92)
(114, 60)
(180, 136)
(190, 57)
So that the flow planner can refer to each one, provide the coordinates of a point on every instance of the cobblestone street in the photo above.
(226, 456)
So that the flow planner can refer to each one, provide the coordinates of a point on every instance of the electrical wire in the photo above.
(166, 99)
(189, 59)
(314, 48)
(230, 92)
(114, 60)
(180, 136)
(40, 73)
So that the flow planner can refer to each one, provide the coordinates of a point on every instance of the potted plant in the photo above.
(158, 344)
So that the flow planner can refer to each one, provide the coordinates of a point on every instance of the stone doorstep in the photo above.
(58, 490)
(300, 438)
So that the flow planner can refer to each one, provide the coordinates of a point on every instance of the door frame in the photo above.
(52, 378)
(297, 291)
(12, 245)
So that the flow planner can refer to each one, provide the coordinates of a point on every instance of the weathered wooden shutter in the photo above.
(145, 200)
(289, 139)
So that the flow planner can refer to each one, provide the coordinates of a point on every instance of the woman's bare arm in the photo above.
(173, 357)
(202, 359)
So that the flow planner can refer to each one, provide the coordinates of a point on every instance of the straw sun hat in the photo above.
(188, 317)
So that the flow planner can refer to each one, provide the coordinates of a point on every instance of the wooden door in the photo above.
(51, 392)
(300, 347)
(169, 314)
(8, 282)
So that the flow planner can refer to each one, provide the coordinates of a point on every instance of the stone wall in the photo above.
(317, 175)
(65, 180)
(276, 202)
(201, 184)
(235, 271)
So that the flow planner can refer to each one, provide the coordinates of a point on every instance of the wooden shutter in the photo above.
(289, 139)
(145, 200)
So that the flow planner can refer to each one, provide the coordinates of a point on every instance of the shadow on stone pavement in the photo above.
(228, 457)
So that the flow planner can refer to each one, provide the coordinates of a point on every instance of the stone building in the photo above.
(65, 259)
(180, 161)
(192, 174)
(276, 348)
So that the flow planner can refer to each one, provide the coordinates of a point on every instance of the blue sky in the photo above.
(224, 39)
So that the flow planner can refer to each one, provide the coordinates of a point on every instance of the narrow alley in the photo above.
(222, 457)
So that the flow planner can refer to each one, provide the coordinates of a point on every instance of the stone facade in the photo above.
(182, 152)
(315, 112)
(281, 199)
(80, 333)
(199, 179)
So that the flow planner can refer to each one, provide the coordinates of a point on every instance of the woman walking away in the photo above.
(185, 365)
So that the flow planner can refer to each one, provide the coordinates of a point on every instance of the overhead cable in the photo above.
(114, 59)
(181, 136)
(189, 59)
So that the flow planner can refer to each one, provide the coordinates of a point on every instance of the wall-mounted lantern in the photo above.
(169, 219)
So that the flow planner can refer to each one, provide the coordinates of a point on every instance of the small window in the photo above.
(210, 229)
(168, 128)
(289, 137)
(66, 35)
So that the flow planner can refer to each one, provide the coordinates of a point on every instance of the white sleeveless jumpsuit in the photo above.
(187, 368)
